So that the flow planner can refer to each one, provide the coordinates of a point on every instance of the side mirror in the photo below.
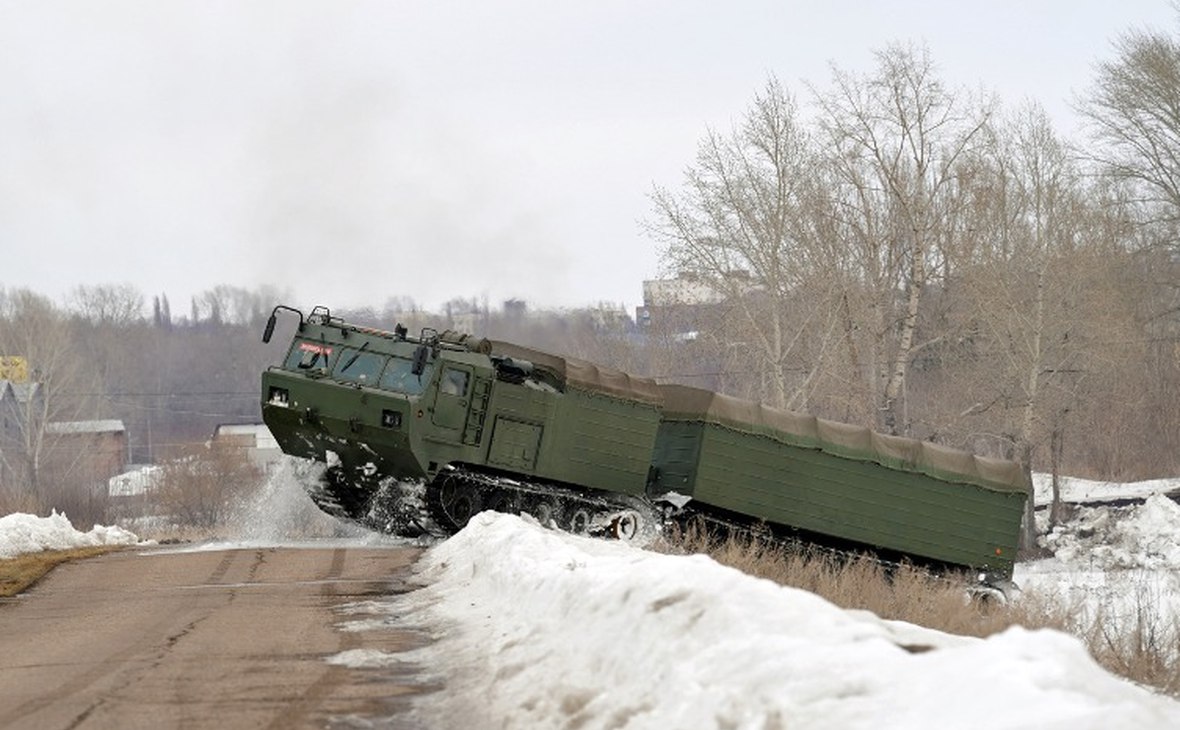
(270, 328)
(419, 364)
(270, 323)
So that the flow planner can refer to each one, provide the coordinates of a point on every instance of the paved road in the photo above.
(215, 639)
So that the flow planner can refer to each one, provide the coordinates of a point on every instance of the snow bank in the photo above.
(1145, 536)
(24, 533)
(1117, 565)
(1080, 491)
(544, 629)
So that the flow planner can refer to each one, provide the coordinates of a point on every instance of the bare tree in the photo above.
(1021, 318)
(739, 227)
(234, 305)
(1133, 112)
(108, 304)
(61, 387)
(202, 484)
(899, 141)
(1038, 298)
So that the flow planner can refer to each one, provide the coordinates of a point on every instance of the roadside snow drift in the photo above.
(543, 629)
(1118, 565)
(24, 533)
(1143, 536)
(1080, 491)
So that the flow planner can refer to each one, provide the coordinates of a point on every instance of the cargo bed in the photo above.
(885, 492)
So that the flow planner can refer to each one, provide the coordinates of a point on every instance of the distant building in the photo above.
(21, 407)
(85, 452)
(691, 315)
(10, 432)
(255, 438)
(137, 480)
(684, 290)
(609, 318)
(680, 305)
(516, 310)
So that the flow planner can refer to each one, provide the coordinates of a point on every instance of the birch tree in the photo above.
(899, 141)
(737, 227)
(1133, 115)
(1020, 285)
(1133, 112)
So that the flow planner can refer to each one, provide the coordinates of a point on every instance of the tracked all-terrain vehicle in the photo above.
(420, 432)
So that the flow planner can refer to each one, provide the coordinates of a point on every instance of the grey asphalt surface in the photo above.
(207, 639)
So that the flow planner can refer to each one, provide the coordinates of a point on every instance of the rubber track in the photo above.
(525, 495)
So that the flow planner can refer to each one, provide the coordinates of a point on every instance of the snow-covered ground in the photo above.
(1081, 491)
(25, 533)
(539, 629)
(536, 628)
(1119, 564)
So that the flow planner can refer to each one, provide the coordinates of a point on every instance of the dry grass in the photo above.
(1145, 650)
(1144, 646)
(202, 486)
(11, 502)
(903, 593)
(20, 573)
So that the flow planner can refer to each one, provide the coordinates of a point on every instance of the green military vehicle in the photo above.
(419, 433)
(906, 498)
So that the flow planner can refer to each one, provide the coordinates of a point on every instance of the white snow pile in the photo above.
(1118, 567)
(544, 629)
(24, 533)
(1080, 491)
(1144, 536)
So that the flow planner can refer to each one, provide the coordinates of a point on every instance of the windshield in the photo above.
(398, 377)
(309, 356)
(358, 366)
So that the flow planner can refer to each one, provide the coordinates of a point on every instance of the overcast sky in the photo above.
(355, 151)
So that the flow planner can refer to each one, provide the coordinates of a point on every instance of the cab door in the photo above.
(453, 397)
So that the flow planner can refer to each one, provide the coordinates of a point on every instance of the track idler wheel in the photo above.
(625, 526)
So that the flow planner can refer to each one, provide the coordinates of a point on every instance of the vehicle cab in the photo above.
(368, 398)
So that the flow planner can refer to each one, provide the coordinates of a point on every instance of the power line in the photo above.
(210, 393)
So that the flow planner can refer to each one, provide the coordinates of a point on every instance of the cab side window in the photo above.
(399, 376)
(454, 382)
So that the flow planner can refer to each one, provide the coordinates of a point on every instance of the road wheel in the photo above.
(547, 513)
(579, 521)
(501, 502)
(463, 507)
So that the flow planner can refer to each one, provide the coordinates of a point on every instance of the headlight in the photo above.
(391, 419)
(278, 397)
